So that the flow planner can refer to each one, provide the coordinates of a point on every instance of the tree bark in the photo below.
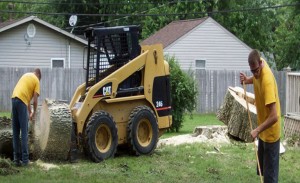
(6, 147)
(6, 138)
(234, 113)
(52, 131)
(5, 122)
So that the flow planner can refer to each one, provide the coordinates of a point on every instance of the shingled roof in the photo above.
(7, 23)
(173, 31)
(4, 26)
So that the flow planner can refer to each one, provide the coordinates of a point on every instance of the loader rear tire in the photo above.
(142, 131)
(101, 136)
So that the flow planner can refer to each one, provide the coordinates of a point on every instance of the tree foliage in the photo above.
(287, 45)
(253, 26)
(271, 30)
(183, 92)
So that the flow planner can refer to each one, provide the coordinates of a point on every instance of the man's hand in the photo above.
(254, 133)
(31, 116)
(243, 78)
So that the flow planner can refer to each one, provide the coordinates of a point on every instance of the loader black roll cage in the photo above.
(109, 48)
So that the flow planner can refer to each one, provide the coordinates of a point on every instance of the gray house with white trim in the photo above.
(202, 44)
(32, 42)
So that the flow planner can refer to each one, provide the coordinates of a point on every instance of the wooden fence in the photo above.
(292, 117)
(57, 83)
(61, 84)
(293, 91)
(213, 86)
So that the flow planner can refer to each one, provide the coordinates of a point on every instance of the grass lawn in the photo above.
(175, 164)
(189, 123)
(7, 114)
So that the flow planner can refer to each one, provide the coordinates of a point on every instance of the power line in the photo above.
(143, 12)
(161, 14)
(95, 4)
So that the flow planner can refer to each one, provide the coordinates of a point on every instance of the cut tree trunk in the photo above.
(5, 122)
(6, 138)
(6, 146)
(52, 131)
(234, 113)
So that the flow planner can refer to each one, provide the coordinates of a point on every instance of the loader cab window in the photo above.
(200, 64)
(109, 48)
(57, 63)
(104, 64)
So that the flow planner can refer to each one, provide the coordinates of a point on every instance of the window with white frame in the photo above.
(57, 63)
(200, 64)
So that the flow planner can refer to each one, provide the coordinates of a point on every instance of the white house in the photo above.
(32, 42)
(202, 44)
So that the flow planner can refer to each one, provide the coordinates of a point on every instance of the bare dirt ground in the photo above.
(216, 135)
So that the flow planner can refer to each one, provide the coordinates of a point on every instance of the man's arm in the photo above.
(29, 109)
(244, 78)
(272, 119)
(35, 103)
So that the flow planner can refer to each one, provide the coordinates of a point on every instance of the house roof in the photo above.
(14, 23)
(173, 31)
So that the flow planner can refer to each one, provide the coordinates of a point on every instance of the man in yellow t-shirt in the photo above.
(268, 115)
(28, 87)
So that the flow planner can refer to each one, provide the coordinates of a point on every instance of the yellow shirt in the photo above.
(265, 90)
(26, 86)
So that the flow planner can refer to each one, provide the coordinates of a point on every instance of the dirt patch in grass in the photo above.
(215, 134)
(46, 166)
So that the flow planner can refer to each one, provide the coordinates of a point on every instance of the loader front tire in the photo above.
(142, 131)
(101, 136)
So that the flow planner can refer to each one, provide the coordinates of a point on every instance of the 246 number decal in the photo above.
(159, 104)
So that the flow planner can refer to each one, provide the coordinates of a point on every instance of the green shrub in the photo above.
(183, 93)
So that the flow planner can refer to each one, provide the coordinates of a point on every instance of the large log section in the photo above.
(234, 113)
(52, 131)
(6, 139)
(6, 148)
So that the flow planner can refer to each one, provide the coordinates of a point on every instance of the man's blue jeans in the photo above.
(20, 124)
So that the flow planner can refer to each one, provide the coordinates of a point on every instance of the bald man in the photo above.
(27, 88)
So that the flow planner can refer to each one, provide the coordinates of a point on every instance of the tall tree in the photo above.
(287, 46)
(248, 21)
(174, 10)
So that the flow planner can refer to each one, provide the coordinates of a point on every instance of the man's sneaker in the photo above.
(17, 163)
(26, 164)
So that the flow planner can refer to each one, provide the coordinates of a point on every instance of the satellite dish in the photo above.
(31, 30)
(73, 20)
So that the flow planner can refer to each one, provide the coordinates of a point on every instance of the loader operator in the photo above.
(28, 87)
(268, 115)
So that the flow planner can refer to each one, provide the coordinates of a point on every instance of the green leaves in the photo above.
(287, 45)
(268, 26)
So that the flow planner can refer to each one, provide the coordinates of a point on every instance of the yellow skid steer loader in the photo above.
(126, 95)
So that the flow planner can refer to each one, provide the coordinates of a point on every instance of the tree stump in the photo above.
(52, 131)
(6, 146)
(5, 122)
(234, 113)
(6, 138)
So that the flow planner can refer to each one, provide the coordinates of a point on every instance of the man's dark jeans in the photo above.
(268, 154)
(20, 124)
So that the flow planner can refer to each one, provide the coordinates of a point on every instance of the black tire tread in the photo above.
(130, 139)
(89, 150)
